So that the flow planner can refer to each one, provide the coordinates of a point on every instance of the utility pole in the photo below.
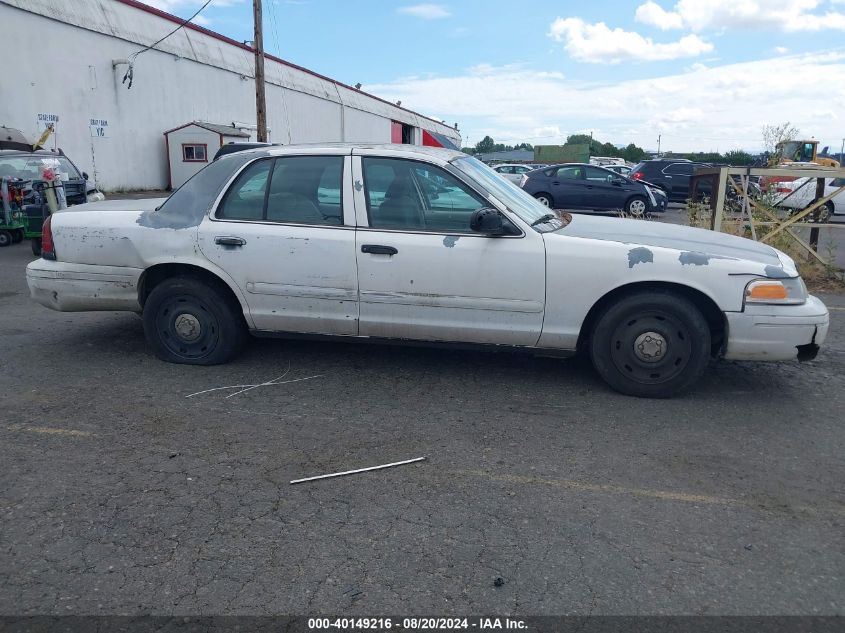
(658, 145)
(260, 100)
(842, 152)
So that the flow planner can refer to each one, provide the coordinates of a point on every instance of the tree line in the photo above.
(631, 153)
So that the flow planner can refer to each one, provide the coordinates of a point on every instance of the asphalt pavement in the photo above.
(132, 486)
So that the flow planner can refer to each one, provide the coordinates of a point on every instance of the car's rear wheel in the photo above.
(191, 322)
(545, 199)
(17, 236)
(651, 344)
(636, 207)
(35, 244)
(6, 238)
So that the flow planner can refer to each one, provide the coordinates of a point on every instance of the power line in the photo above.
(130, 72)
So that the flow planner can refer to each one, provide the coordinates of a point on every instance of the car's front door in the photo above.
(678, 175)
(424, 275)
(284, 232)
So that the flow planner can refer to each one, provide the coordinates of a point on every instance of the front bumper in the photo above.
(80, 287)
(769, 332)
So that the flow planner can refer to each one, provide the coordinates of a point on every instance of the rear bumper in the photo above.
(777, 332)
(80, 287)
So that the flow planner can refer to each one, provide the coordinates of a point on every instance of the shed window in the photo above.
(194, 153)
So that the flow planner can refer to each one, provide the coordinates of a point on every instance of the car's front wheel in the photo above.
(651, 344)
(636, 207)
(6, 238)
(545, 199)
(191, 322)
(35, 244)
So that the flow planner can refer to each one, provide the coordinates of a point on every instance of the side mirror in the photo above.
(487, 221)
(618, 181)
(85, 175)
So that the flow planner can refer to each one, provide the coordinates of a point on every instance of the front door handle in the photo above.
(378, 249)
(228, 240)
(555, 183)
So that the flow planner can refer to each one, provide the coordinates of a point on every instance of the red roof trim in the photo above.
(228, 40)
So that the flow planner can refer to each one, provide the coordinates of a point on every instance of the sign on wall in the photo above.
(99, 128)
(45, 119)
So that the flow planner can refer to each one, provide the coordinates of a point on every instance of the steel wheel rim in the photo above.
(186, 327)
(544, 201)
(636, 207)
(668, 334)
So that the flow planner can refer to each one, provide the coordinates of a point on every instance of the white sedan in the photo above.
(514, 172)
(797, 194)
(421, 244)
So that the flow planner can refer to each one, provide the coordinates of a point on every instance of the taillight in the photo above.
(783, 190)
(637, 175)
(48, 250)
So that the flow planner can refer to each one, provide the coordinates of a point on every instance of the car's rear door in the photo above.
(678, 178)
(424, 275)
(284, 231)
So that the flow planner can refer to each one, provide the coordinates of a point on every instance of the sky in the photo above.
(704, 75)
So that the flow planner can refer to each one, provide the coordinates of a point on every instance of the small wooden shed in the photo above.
(191, 147)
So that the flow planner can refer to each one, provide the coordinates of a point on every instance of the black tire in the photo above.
(35, 243)
(636, 206)
(651, 344)
(191, 322)
(545, 199)
(5, 238)
(17, 236)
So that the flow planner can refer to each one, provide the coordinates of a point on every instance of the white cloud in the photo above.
(201, 20)
(425, 11)
(599, 43)
(655, 15)
(780, 15)
(781, 50)
(707, 109)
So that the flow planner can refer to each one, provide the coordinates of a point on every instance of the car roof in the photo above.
(364, 148)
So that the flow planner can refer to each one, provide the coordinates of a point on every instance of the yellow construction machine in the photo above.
(788, 152)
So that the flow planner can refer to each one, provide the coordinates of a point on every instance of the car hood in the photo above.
(695, 243)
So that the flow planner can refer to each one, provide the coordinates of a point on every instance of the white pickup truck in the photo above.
(416, 244)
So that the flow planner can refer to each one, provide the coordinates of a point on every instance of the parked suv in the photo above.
(671, 175)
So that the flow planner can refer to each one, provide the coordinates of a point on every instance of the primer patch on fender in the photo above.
(640, 255)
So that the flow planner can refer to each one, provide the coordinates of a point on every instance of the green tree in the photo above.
(738, 157)
(485, 145)
(633, 154)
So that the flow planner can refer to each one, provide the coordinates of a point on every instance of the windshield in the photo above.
(516, 200)
(26, 166)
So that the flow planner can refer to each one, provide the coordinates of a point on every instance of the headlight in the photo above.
(523, 180)
(651, 196)
(790, 291)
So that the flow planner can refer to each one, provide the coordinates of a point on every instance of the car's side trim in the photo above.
(447, 301)
(309, 292)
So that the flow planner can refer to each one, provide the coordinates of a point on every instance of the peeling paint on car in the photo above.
(775, 272)
(693, 258)
(640, 255)
(450, 240)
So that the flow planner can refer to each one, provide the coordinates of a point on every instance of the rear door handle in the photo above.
(227, 240)
(378, 249)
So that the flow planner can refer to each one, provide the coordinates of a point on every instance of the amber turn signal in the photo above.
(766, 291)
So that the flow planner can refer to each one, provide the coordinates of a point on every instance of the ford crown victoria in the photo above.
(420, 244)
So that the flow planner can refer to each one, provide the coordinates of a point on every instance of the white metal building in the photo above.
(73, 77)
